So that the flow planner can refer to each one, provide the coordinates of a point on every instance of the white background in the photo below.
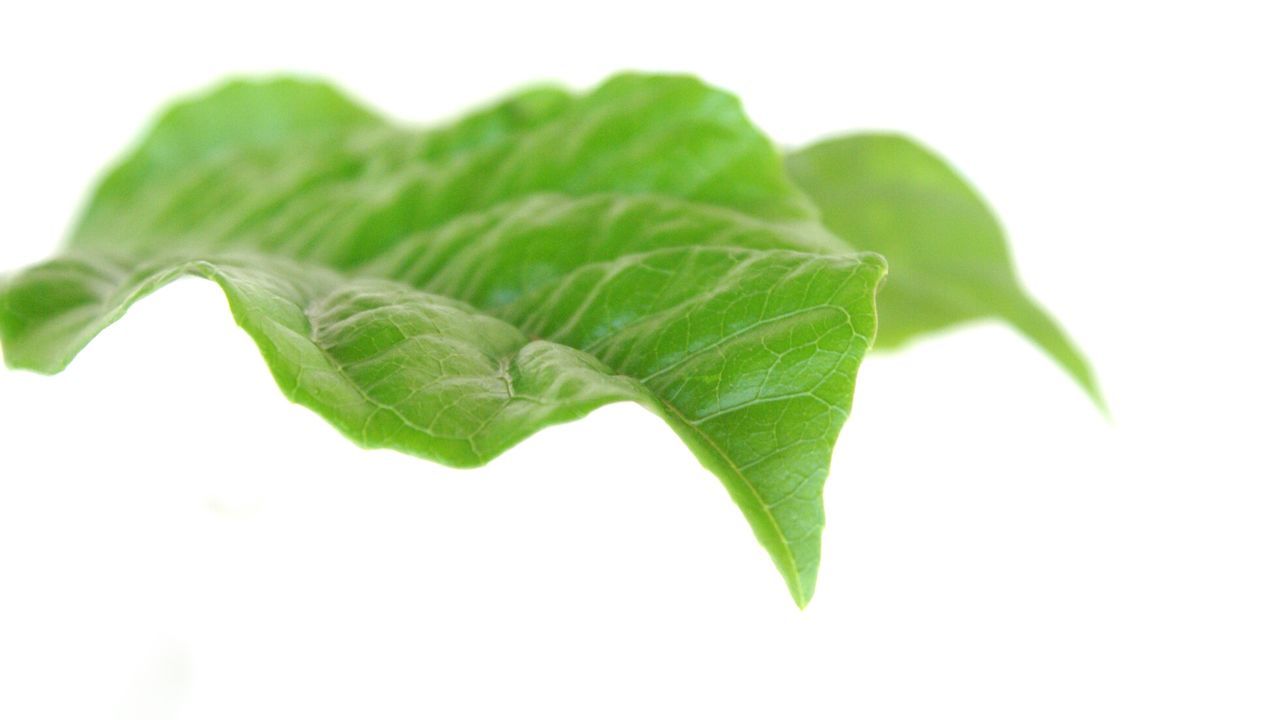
(177, 541)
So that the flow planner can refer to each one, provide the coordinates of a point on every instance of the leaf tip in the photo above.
(802, 594)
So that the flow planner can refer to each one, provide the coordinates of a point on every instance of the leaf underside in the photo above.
(448, 292)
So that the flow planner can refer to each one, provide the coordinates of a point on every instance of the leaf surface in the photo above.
(448, 292)
(951, 264)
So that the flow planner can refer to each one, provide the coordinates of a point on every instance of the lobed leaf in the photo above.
(448, 292)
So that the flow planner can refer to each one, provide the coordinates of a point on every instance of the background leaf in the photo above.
(949, 260)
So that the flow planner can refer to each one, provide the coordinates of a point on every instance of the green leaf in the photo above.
(449, 292)
(950, 262)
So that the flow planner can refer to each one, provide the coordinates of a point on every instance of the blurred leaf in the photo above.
(947, 255)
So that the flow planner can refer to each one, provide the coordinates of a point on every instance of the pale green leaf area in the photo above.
(950, 262)
(448, 292)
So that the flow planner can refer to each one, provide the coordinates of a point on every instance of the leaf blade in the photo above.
(448, 292)
(950, 262)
